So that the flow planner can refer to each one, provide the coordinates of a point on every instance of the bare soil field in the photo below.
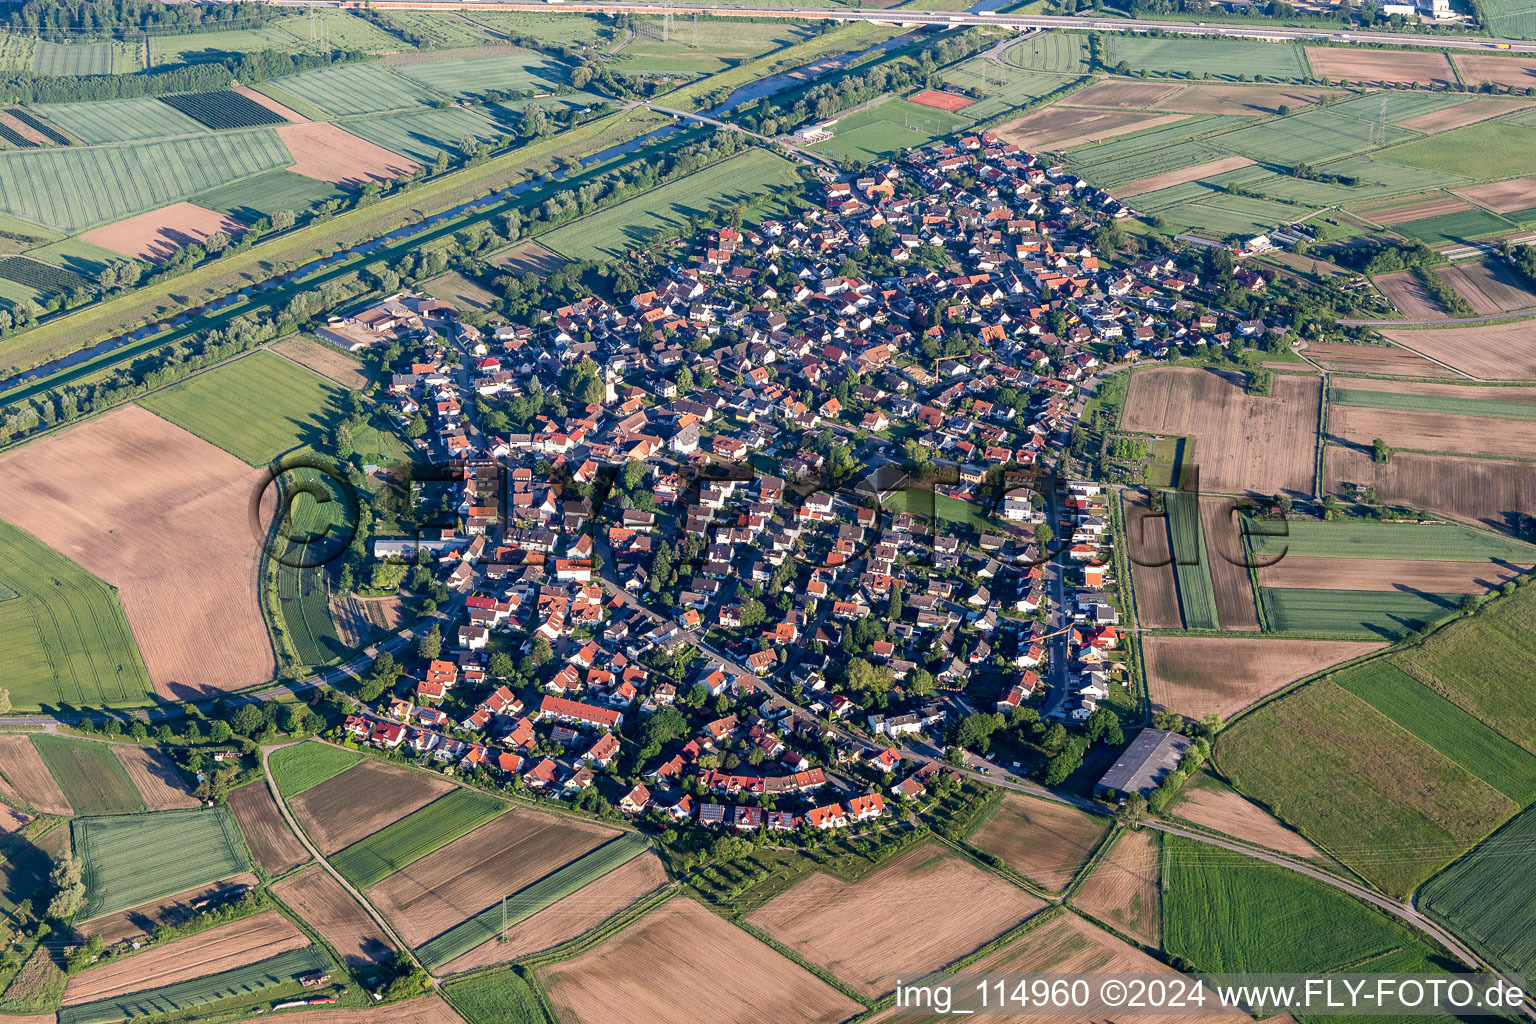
(429, 1009)
(1212, 803)
(579, 912)
(1435, 577)
(140, 921)
(360, 801)
(156, 777)
(272, 842)
(327, 153)
(1200, 675)
(1502, 196)
(1398, 213)
(1505, 393)
(1498, 351)
(219, 949)
(1065, 127)
(1462, 114)
(160, 234)
(163, 516)
(26, 131)
(530, 258)
(12, 820)
(472, 872)
(1040, 839)
(271, 104)
(1236, 607)
(1378, 359)
(1242, 443)
(859, 932)
(1123, 95)
(1179, 177)
(682, 964)
(326, 360)
(1125, 890)
(1380, 65)
(1409, 296)
(1432, 431)
(1151, 557)
(29, 778)
(1489, 286)
(461, 291)
(1486, 491)
(340, 919)
(1516, 72)
(1241, 99)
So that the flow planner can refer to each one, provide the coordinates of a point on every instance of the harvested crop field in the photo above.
(341, 920)
(1436, 577)
(859, 933)
(473, 872)
(1240, 99)
(1486, 491)
(1516, 72)
(1437, 205)
(1380, 65)
(156, 777)
(1503, 196)
(530, 258)
(1151, 557)
(164, 517)
(160, 234)
(23, 768)
(1210, 802)
(141, 921)
(1461, 115)
(272, 842)
(1242, 443)
(328, 153)
(362, 800)
(1125, 889)
(1377, 359)
(1065, 127)
(1236, 608)
(454, 287)
(1409, 296)
(272, 105)
(581, 911)
(1040, 839)
(429, 1009)
(219, 949)
(1168, 180)
(1498, 351)
(1503, 431)
(682, 947)
(1123, 95)
(939, 100)
(1201, 675)
(1489, 286)
(326, 360)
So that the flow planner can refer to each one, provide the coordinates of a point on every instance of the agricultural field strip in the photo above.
(404, 842)
(1486, 902)
(92, 777)
(1197, 594)
(133, 859)
(1354, 613)
(1433, 403)
(1397, 541)
(241, 981)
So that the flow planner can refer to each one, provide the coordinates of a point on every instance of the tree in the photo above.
(542, 652)
(1133, 811)
(430, 645)
(221, 732)
(1261, 382)
(416, 428)
(1380, 451)
(501, 665)
(247, 720)
(684, 380)
(5, 701)
(752, 613)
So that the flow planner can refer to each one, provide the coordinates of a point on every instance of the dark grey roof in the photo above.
(1142, 766)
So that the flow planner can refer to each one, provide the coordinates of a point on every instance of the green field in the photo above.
(262, 196)
(550, 29)
(1511, 19)
(316, 505)
(496, 997)
(297, 408)
(90, 775)
(702, 47)
(306, 765)
(1450, 228)
(283, 969)
(133, 859)
(404, 842)
(1487, 896)
(71, 189)
(754, 176)
(1372, 794)
(120, 120)
(1219, 58)
(342, 29)
(62, 59)
(433, 30)
(523, 904)
(1371, 614)
(1061, 52)
(1192, 567)
(1438, 404)
(1315, 135)
(353, 89)
(1491, 149)
(887, 128)
(76, 256)
(1311, 538)
(66, 639)
(524, 71)
(1003, 88)
(422, 134)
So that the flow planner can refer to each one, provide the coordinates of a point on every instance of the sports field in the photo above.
(91, 776)
(1368, 614)
(306, 765)
(135, 858)
(887, 128)
(1487, 899)
(404, 842)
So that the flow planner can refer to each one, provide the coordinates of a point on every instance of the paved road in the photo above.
(1518, 314)
(804, 154)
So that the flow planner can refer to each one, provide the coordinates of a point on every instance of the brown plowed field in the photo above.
(1398, 211)
(1432, 431)
(1435, 577)
(1241, 99)
(1211, 803)
(681, 964)
(140, 921)
(1381, 359)
(271, 104)
(1516, 72)
(1125, 890)
(1242, 443)
(165, 517)
(160, 234)
(1065, 127)
(362, 800)
(1462, 114)
(156, 777)
(1040, 839)
(218, 949)
(1235, 605)
(1201, 675)
(1489, 286)
(530, 258)
(272, 842)
(1486, 491)
(1379, 65)
(12, 820)
(1409, 296)
(1147, 547)
(1168, 180)
(1498, 351)
(579, 912)
(472, 872)
(326, 360)
(26, 131)
(428, 1009)
(340, 919)
(1503, 196)
(327, 153)
(862, 931)
(24, 769)
(1123, 95)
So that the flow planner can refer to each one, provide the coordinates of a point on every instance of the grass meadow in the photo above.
(304, 766)
(135, 858)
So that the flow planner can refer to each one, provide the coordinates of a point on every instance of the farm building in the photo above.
(1143, 765)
